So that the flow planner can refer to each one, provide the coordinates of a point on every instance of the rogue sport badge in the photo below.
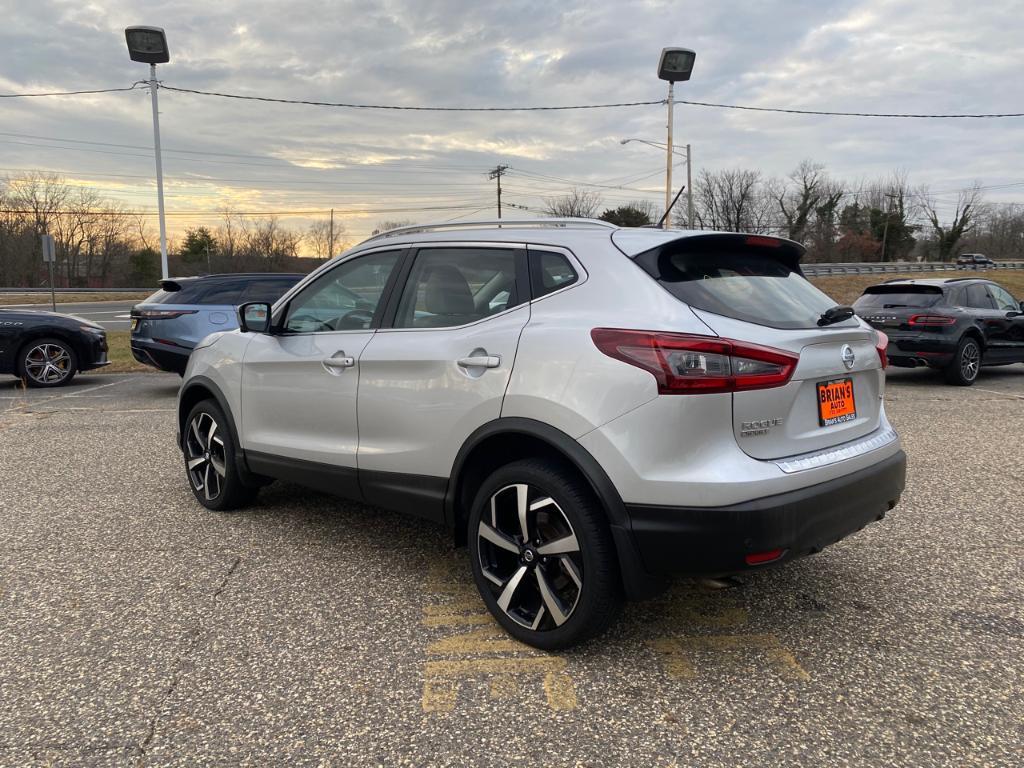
(848, 357)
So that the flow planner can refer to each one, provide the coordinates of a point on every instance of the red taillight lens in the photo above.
(769, 242)
(683, 364)
(162, 314)
(882, 345)
(932, 320)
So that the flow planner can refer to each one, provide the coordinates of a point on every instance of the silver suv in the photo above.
(588, 408)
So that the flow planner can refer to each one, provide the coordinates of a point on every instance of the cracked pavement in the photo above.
(137, 628)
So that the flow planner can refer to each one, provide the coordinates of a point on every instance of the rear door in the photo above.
(1005, 327)
(750, 289)
(442, 367)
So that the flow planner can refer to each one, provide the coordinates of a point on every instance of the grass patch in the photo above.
(120, 355)
(67, 298)
(846, 288)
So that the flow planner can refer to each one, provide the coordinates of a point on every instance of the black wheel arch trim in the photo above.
(637, 581)
(207, 384)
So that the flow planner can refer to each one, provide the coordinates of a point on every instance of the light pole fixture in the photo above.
(675, 66)
(149, 45)
(689, 172)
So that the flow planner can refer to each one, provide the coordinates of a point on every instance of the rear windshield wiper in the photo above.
(894, 306)
(836, 314)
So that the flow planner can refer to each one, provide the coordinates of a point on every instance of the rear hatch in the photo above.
(891, 306)
(184, 311)
(750, 289)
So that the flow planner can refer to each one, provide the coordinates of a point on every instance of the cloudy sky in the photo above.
(931, 56)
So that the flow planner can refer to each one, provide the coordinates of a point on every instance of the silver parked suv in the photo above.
(589, 408)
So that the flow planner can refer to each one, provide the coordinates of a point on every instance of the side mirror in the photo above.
(254, 317)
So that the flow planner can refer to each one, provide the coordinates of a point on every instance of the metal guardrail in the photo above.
(894, 267)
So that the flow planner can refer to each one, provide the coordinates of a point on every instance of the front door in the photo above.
(1005, 327)
(299, 383)
(440, 371)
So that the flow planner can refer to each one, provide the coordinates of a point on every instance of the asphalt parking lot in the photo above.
(138, 628)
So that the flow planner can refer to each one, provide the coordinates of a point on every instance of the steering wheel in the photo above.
(310, 319)
(355, 319)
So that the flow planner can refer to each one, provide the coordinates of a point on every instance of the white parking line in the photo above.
(997, 392)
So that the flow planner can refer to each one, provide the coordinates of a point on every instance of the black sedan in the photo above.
(47, 349)
(956, 325)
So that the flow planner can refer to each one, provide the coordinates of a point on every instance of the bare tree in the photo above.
(737, 200)
(577, 204)
(800, 196)
(947, 235)
(318, 238)
(387, 226)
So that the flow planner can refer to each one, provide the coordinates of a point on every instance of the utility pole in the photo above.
(689, 186)
(153, 85)
(330, 238)
(497, 174)
(888, 215)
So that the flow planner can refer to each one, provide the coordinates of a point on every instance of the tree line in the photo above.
(881, 220)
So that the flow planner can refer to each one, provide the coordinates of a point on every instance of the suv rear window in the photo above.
(895, 296)
(725, 275)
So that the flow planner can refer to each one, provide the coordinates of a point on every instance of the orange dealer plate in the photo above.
(835, 402)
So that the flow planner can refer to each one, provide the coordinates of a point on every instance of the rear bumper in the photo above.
(716, 540)
(164, 357)
(932, 349)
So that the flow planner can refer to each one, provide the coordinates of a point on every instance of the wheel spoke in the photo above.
(195, 432)
(193, 463)
(546, 501)
(219, 468)
(522, 506)
(551, 601)
(497, 538)
(510, 588)
(206, 483)
(560, 546)
(571, 571)
(213, 430)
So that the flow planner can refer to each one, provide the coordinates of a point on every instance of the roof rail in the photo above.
(503, 223)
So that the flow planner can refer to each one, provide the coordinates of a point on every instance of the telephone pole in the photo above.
(497, 174)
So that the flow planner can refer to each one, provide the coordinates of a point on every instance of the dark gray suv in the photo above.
(167, 326)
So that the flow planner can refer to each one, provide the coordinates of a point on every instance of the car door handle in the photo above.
(480, 361)
(338, 362)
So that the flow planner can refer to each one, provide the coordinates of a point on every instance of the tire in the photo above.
(963, 370)
(209, 455)
(47, 363)
(561, 588)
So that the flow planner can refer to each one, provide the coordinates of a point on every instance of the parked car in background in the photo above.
(47, 349)
(169, 324)
(956, 325)
(589, 408)
(974, 261)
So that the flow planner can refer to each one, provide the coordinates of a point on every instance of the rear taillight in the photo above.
(162, 314)
(882, 346)
(683, 364)
(931, 320)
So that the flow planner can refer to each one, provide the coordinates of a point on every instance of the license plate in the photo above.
(835, 402)
(135, 323)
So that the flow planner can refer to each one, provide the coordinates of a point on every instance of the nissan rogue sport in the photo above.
(589, 408)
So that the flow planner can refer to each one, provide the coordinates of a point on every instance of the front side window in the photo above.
(978, 298)
(1004, 301)
(343, 299)
(455, 286)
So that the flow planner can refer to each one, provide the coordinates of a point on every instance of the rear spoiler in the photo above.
(788, 252)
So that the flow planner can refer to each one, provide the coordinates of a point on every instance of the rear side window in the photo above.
(897, 296)
(978, 298)
(722, 275)
(549, 272)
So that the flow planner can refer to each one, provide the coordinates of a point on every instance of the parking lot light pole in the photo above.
(675, 66)
(149, 45)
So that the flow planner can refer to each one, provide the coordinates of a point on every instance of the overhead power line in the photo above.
(847, 114)
(399, 107)
(69, 93)
(193, 214)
